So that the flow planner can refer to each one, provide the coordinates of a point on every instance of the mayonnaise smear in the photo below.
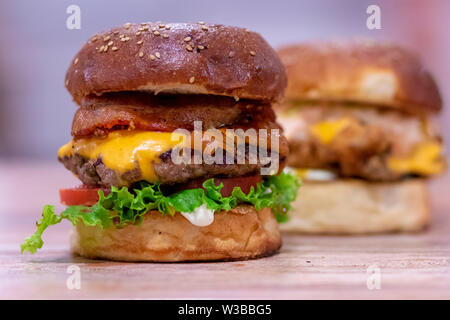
(200, 217)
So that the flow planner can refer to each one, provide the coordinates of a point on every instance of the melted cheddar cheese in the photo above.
(123, 150)
(327, 130)
(425, 159)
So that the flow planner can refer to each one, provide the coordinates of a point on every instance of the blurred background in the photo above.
(36, 110)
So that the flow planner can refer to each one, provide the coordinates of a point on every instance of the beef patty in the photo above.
(99, 115)
(93, 172)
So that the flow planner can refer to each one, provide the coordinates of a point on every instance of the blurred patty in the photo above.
(356, 141)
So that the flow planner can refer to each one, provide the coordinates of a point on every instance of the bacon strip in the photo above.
(142, 111)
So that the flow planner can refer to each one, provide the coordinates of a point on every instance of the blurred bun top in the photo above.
(191, 58)
(362, 72)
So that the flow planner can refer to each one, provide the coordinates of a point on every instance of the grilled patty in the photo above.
(139, 111)
(93, 172)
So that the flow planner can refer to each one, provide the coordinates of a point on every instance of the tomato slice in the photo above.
(245, 183)
(82, 195)
(88, 196)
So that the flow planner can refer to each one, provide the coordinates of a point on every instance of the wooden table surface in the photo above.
(308, 267)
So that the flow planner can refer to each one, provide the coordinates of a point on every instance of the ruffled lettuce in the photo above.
(122, 207)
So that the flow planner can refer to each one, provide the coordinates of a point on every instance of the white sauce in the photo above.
(200, 217)
(313, 174)
(320, 175)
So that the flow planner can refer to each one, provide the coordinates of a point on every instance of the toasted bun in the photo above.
(357, 207)
(178, 58)
(360, 72)
(242, 233)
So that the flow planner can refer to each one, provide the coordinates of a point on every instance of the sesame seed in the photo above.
(116, 32)
(141, 29)
(121, 36)
(75, 61)
(138, 33)
(231, 54)
(201, 47)
(110, 43)
(204, 28)
(152, 57)
(189, 48)
(252, 53)
(158, 55)
(139, 42)
(187, 39)
(127, 25)
(143, 23)
(162, 25)
(145, 27)
(191, 79)
(114, 48)
(67, 82)
(156, 33)
(141, 54)
(106, 38)
(101, 49)
(94, 39)
(165, 35)
(200, 22)
(167, 27)
(105, 49)
(154, 29)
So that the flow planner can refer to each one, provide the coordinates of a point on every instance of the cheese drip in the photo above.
(122, 151)
(425, 159)
(327, 130)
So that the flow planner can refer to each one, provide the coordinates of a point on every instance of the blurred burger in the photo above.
(136, 86)
(358, 118)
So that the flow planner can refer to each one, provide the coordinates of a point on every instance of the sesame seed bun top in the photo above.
(362, 72)
(192, 58)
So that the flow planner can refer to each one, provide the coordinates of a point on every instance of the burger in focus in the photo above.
(138, 86)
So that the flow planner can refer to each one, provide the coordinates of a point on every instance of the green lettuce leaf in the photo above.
(122, 207)
(35, 242)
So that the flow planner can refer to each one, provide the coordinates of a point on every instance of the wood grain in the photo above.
(308, 267)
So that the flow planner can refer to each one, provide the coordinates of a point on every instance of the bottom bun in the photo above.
(242, 233)
(358, 207)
